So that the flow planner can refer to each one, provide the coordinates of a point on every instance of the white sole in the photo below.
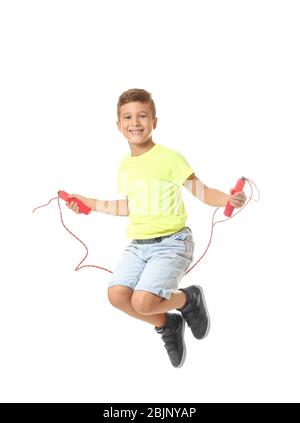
(183, 343)
(206, 310)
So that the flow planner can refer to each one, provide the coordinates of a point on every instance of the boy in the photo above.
(145, 281)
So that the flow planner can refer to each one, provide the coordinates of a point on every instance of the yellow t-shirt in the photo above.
(152, 182)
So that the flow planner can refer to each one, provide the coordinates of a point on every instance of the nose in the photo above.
(136, 121)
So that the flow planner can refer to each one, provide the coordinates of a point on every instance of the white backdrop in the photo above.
(225, 79)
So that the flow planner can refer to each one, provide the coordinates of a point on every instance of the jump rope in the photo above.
(228, 212)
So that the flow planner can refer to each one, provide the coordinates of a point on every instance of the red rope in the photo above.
(224, 220)
(78, 267)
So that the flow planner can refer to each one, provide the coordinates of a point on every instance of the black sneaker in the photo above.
(172, 334)
(195, 311)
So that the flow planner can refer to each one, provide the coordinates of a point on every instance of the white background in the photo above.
(225, 79)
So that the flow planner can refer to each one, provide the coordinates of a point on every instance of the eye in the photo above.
(126, 117)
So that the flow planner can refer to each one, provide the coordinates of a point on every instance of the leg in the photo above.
(146, 303)
(189, 301)
(169, 326)
(120, 297)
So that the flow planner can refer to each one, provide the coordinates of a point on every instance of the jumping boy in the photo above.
(145, 281)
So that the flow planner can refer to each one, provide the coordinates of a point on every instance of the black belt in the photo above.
(154, 240)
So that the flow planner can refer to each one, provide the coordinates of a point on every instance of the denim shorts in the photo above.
(155, 265)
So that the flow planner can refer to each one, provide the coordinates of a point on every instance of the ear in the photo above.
(118, 125)
(154, 123)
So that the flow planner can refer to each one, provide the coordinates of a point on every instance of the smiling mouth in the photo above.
(136, 131)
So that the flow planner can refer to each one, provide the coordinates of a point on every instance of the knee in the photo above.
(119, 296)
(144, 302)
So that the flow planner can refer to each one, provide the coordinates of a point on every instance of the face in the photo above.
(136, 122)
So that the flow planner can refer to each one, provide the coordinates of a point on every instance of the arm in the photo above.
(114, 207)
(211, 196)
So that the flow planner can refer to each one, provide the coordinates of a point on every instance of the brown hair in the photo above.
(136, 94)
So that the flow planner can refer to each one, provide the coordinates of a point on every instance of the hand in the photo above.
(238, 199)
(73, 205)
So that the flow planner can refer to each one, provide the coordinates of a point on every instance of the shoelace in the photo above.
(170, 344)
(195, 320)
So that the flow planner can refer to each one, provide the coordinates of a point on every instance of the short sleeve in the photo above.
(181, 168)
